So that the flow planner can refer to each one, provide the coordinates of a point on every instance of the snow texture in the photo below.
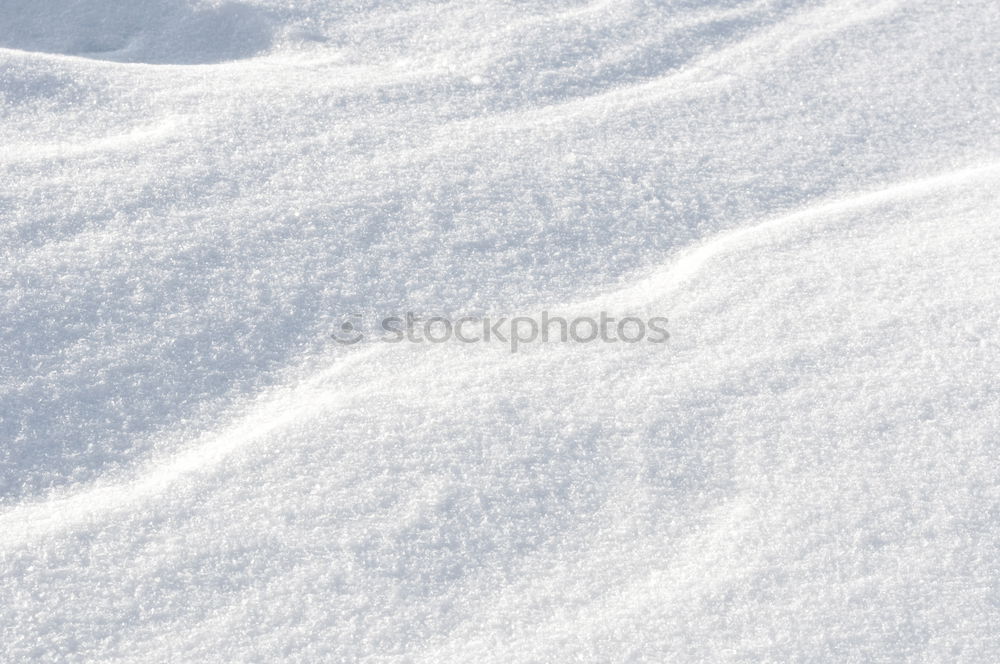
(193, 193)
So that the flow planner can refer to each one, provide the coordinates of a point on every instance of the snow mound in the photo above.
(151, 31)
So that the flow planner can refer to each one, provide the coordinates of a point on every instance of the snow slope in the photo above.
(194, 193)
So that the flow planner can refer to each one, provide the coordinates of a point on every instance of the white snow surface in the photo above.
(194, 193)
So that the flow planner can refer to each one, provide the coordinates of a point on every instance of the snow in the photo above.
(194, 194)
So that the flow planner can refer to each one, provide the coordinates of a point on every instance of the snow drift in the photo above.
(193, 195)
